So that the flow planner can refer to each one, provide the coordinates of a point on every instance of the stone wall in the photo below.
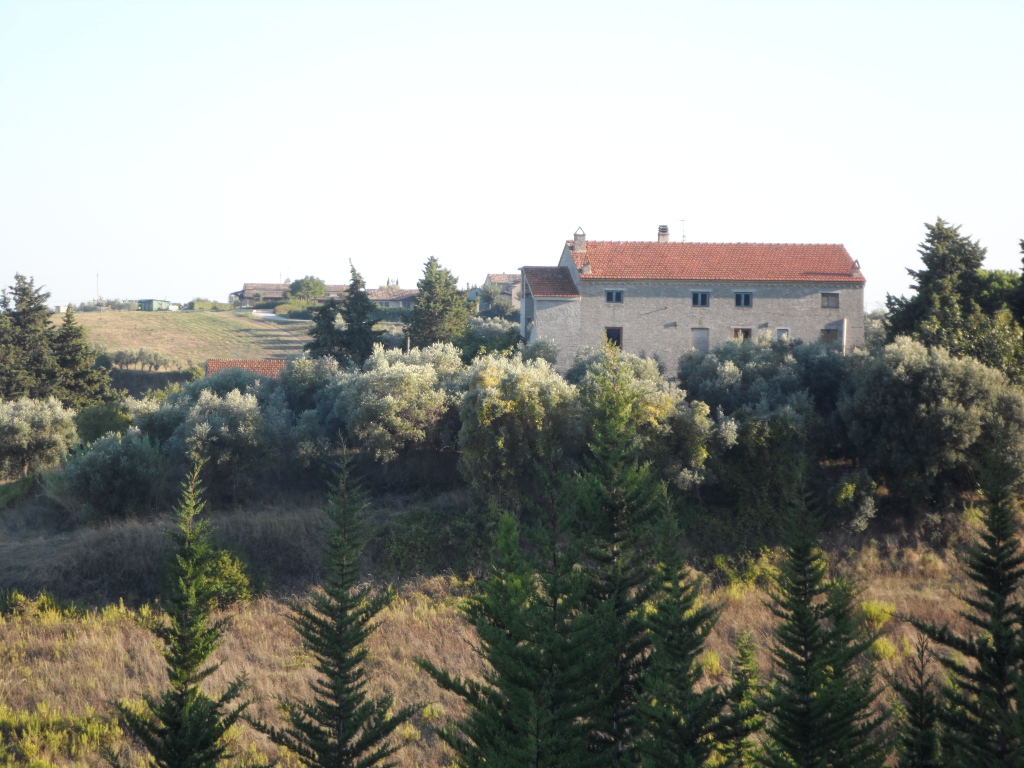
(658, 317)
(558, 320)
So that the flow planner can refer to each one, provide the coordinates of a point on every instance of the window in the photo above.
(830, 336)
(744, 299)
(613, 297)
(743, 334)
(830, 301)
(701, 298)
(614, 336)
(782, 334)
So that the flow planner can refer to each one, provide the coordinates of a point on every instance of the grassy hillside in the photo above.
(195, 336)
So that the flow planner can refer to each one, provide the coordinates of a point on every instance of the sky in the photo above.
(179, 149)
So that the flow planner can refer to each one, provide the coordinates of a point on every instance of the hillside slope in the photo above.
(195, 336)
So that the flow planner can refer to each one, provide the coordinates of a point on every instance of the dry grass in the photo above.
(195, 336)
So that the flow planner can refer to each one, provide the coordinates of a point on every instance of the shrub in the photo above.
(98, 420)
(541, 349)
(117, 476)
(33, 434)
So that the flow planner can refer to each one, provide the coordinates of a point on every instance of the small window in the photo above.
(613, 297)
(701, 298)
(830, 336)
(830, 301)
(614, 336)
(744, 299)
(782, 334)
(741, 334)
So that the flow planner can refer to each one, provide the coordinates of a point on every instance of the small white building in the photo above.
(660, 298)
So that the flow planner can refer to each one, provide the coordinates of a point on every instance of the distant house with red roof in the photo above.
(271, 369)
(259, 293)
(393, 297)
(661, 298)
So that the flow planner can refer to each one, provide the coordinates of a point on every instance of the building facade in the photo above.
(662, 298)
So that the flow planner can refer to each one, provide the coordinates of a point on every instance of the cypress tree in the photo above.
(326, 336)
(680, 721)
(357, 310)
(81, 383)
(185, 728)
(533, 706)
(618, 498)
(820, 703)
(341, 726)
(918, 742)
(983, 721)
(744, 718)
(441, 311)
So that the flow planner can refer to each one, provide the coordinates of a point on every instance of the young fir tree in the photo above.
(30, 369)
(743, 719)
(680, 720)
(441, 311)
(918, 744)
(983, 722)
(341, 726)
(185, 728)
(619, 498)
(532, 707)
(81, 383)
(357, 310)
(326, 336)
(820, 703)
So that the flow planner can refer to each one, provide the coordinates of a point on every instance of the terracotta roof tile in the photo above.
(392, 294)
(550, 281)
(503, 278)
(270, 368)
(611, 260)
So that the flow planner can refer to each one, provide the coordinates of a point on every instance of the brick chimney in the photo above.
(579, 244)
(663, 233)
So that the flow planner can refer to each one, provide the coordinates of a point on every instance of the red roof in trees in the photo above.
(271, 369)
(550, 281)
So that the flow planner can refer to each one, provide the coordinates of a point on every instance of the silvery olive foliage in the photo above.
(34, 434)
(119, 476)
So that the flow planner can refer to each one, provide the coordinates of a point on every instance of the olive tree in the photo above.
(33, 434)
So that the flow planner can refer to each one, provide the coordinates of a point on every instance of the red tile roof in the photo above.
(550, 281)
(270, 368)
(392, 294)
(785, 262)
(503, 278)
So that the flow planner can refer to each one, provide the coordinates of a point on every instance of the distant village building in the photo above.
(661, 298)
(271, 369)
(154, 305)
(393, 297)
(511, 286)
(258, 293)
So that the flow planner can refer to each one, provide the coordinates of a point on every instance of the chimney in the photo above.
(579, 244)
(663, 233)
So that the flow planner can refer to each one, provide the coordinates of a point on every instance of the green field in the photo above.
(195, 336)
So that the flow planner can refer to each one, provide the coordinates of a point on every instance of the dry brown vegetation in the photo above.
(195, 336)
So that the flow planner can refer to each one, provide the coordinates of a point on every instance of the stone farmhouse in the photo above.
(662, 298)
(510, 284)
(393, 297)
(257, 293)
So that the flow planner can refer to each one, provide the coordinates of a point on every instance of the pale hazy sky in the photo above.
(181, 148)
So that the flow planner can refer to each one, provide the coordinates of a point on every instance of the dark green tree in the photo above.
(983, 722)
(680, 720)
(357, 310)
(533, 704)
(918, 744)
(743, 720)
(326, 336)
(29, 369)
(185, 728)
(307, 288)
(820, 702)
(341, 726)
(618, 499)
(81, 382)
(441, 312)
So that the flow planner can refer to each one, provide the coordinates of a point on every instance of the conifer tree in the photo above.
(744, 718)
(441, 311)
(984, 724)
(81, 383)
(185, 728)
(326, 336)
(918, 742)
(820, 704)
(680, 721)
(533, 706)
(619, 498)
(357, 310)
(30, 369)
(341, 726)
